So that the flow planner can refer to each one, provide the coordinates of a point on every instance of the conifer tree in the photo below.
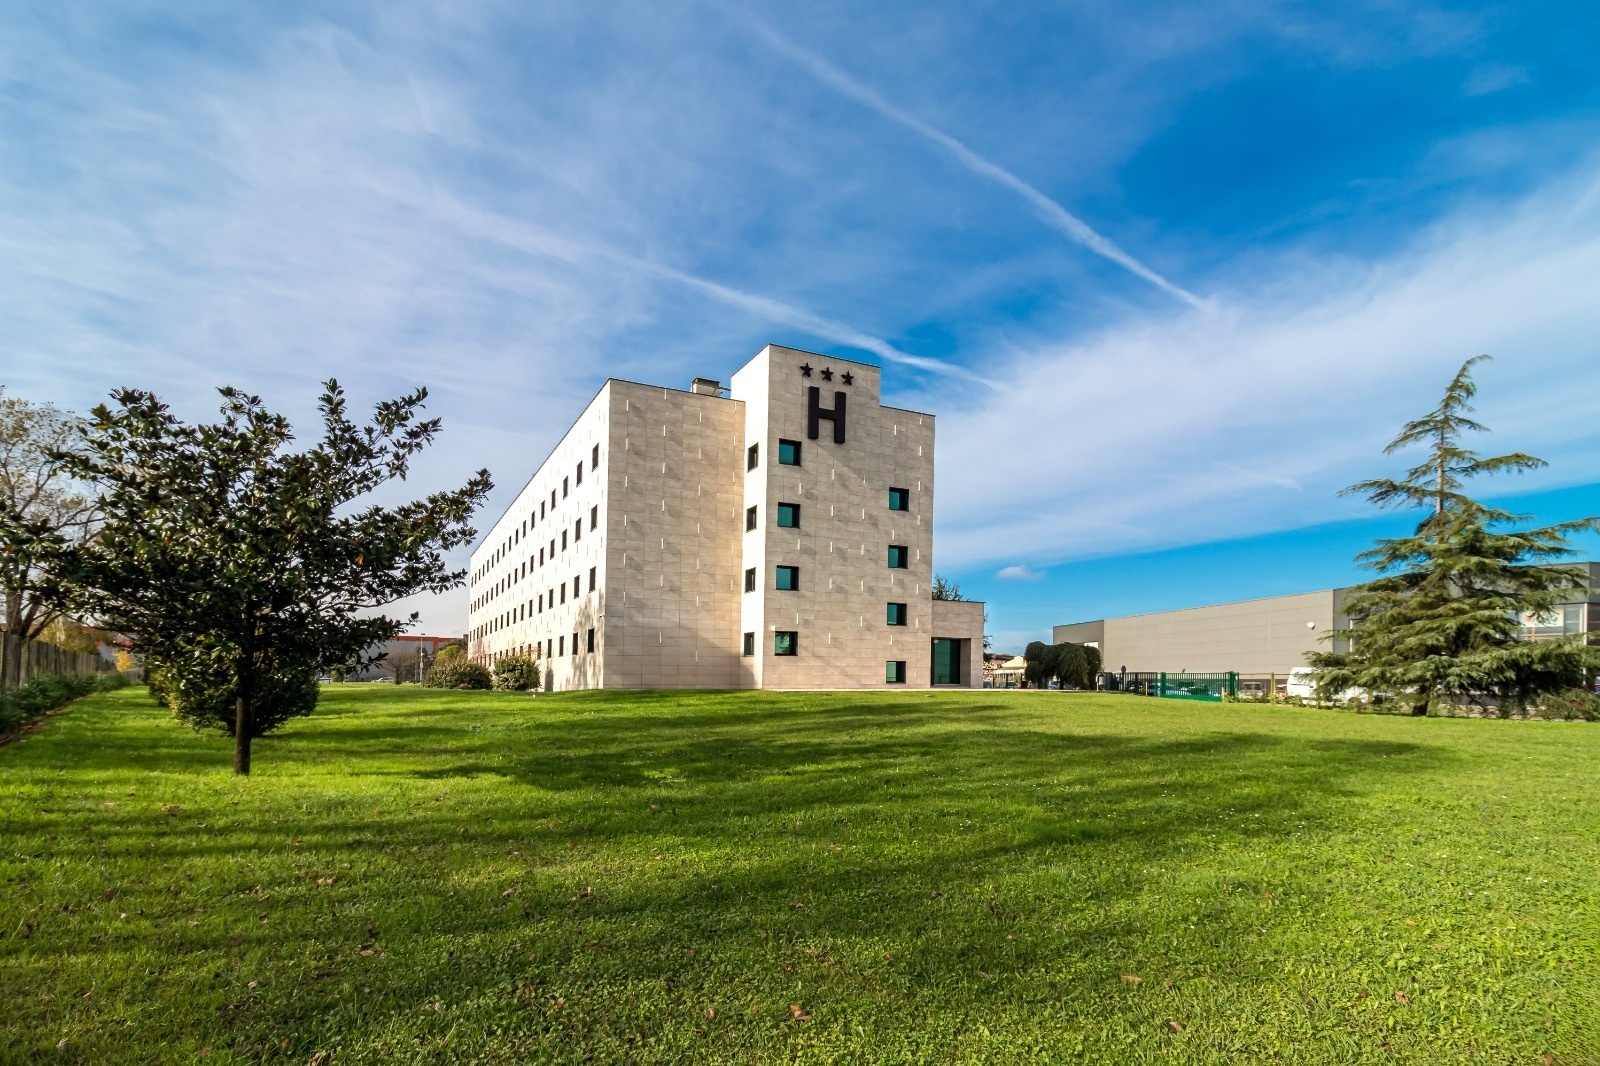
(1441, 624)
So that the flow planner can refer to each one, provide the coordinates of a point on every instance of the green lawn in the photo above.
(961, 877)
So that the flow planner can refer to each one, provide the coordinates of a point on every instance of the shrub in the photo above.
(517, 673)
(457, 671)
(1571, 705)
(45, 694)
(201, 691)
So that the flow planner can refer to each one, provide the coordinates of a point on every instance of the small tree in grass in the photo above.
(1441, 623)
(241, 568)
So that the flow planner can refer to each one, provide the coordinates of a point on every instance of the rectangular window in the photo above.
(899, 556)
(574, 643)
(563, 592)
(789, 452)
(894, 672)
(899, 499)
(594, 517)
(594, 458)
(789, 515)
(752, 456)
(789, 578)
(577, 531)
(749, 519)
(591, 578)
(577, 586)
(541, 556)
(541, 603)
(590, 645)
(785, 642)
(563, 540)
(749, 643)
(750, 580)
(563, 488)
(563, 645)
(577, 475)
(897, 614)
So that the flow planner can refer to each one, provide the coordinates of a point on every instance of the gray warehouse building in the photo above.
(1260, 639)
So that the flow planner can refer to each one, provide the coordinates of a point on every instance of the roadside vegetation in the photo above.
(419, 875)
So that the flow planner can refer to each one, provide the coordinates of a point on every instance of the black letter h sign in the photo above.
(816, 413)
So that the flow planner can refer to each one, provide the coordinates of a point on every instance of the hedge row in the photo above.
(43, 694)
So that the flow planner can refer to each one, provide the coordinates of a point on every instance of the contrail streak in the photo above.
(1053, 213)
(533, 241)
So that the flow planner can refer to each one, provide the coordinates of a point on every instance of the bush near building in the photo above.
(516, 673)
(21, 705)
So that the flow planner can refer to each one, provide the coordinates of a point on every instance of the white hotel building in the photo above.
(777, 534)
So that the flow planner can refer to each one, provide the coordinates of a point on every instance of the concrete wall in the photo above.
(1254, 637)
(671, 608)
(841, 547)
(962, 620)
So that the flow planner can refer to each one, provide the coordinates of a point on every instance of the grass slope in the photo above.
(954, 877)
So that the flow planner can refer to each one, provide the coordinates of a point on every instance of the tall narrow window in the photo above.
(591, 578)
(897, 614)
(564, 540)
(899, 556)
(563, 645)
(789, 515)
(789, 452)
(789, 578)
(589, 646)
(749, 643)
(574, 643)
(541, 603)
(899, 499)
(563, 488)
(594, 517)
(577, 475)
(785, 642)
(752, 458)
(894, 672)
(577, 531)
(563, 592)
(749, 518)
(750, 580)
(594, 458)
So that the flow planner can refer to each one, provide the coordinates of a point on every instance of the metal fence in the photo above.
(1174, 686)
(38, 659)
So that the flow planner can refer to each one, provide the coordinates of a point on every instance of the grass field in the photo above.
(753, 877)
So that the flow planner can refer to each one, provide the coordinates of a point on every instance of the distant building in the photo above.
(779, 536)
(1260, 639)
(406, 658)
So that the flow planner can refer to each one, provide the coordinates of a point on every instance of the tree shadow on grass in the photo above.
(868, 829)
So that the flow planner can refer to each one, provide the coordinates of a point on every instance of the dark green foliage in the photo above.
(44, 694)
(945, 589)
(241, 568)
(516, 673)
(1440, 626)
(1073, 665)
(457, 671)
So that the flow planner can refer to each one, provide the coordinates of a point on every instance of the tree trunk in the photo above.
(241, 736)
(11, 665)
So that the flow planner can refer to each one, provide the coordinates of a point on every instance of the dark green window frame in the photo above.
(894, 672)
(788, 453)
(897, 614)
(789, 516)
(787, 579)
(749, 644)
(899, 499)
(785, 642)
(899, 557)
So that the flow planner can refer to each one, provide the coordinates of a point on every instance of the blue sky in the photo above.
(1170, 275)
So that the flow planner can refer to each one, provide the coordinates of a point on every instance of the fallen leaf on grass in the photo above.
(799, 1015)
(296, 843)
(1129, 979)
(588, 892)
(1175, 1027)
(508, 892)
(1402, 999)
(798, 906)
(835, 847)
(935, 894)
(324, 882)
(710, 1013)
(366, 952)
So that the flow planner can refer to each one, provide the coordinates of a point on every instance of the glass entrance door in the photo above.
(946, 661)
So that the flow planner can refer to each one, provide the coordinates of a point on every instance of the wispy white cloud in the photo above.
(1018, 573)
(1212, 426)
(1054, 215)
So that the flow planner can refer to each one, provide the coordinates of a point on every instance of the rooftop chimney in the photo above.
(706, 386)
